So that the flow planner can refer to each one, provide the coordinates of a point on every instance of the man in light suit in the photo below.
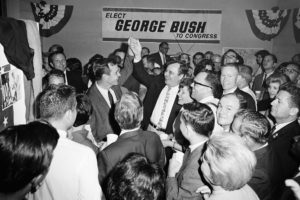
(104, 93)
(285, 109)
(161, 56)
(157, 89)
(196, 125)
(129, 115)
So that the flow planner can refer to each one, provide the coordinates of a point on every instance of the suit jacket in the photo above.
(75, 79)
(144, 142)
(250, 103)
(281, 146)
(187, 180)
(156, 57)
(258, 82)
(261, 178)
(154, 85)
(102, 120)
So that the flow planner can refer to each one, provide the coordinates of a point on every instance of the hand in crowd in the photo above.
(205, 191)
(136, 48)
(174, 166)
(294, 187)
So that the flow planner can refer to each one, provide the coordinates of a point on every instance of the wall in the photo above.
(285, 45)
(81, 37)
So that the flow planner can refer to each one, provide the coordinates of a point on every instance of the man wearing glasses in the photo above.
(207, 89)
(161, 56)
(292, 70)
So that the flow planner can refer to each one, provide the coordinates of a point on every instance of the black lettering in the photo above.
(192, 27)
(201, 27)
(174, 27)
(127, 25)
(144, 26)
(162, 25)
(119, 25)
(153, 26)
(183, 27)
(135, 25)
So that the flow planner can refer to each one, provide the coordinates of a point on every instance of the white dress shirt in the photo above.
(73, 173)
(104, 93)
(163, 58)
(156, 114)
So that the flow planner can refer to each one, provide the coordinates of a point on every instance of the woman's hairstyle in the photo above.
(231, 163)
(129, 111)
(186, 82)
(26, 152)
(277, 77)
(135, 178)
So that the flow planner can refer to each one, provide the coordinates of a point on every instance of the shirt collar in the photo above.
(207, 99)
(129, 130)
(230, 91)
(195, 146)
(62, 134)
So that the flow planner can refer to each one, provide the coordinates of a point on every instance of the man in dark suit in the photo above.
(285, 109)
(196, 125)
(259, 83)
(253, 127)
(161, 56)
(229, 76)
(129, 114)
(161, 99)
(103, 94)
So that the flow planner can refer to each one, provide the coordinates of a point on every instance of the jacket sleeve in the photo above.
(141, 75)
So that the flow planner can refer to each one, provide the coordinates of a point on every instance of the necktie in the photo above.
(264, 84)
(160, 121)
(111, 99)
(271, 133)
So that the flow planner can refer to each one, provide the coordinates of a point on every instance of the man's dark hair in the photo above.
(199, 116)
(56, 48)
(56, 100)
(51, 55)
(262, 53)
(74, 64)
(26, 152)
(186, 82)
(163, 43)
(238, 57)
(213, 79)
(84, 109)
(294, 91)
(101, 67)
(198, 53)
(56, 73)
(135, 178)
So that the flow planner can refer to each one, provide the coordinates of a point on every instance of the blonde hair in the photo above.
(230, 161)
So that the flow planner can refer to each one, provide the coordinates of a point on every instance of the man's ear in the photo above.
(294, 111)
(36, 182)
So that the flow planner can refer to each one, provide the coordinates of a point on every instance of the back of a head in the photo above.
(199, 116)
(56, 100)
(253, 126)
(246, 72)
(129, 111)
(227, 162)
(135, 178)
(56, 76)
(74, 64)
(84, 110)
(26, 152)
(213, 79)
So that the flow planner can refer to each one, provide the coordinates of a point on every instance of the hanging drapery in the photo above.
(296, 24)
(267, 24)
(52, 18)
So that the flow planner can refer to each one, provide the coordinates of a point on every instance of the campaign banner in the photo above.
(170, 25)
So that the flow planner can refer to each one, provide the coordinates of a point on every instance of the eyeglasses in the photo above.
(197, 83)
(291, 71)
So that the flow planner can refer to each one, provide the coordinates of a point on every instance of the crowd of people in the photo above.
(141, 126)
